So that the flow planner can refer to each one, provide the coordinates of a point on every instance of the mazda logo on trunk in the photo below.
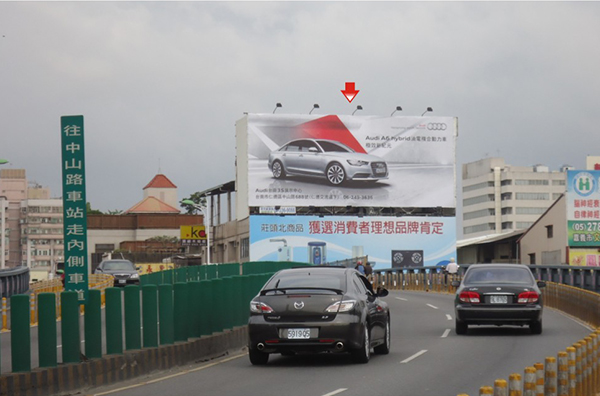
(298, 304)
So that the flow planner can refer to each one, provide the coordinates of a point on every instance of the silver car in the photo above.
(325, 158)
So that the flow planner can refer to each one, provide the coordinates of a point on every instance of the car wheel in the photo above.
(461, 327)
(257, 357)
(384, 348)
(363, 354)
(335, 174)
(536, 327)
(278, 171)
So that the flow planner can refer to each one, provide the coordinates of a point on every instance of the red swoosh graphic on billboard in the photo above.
(332, 128)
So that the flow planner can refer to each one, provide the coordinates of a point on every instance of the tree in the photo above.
(195, 197)
(89, 209)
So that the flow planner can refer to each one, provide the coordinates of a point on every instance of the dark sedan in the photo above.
(124, 272)
(318, 309)
(498, 294)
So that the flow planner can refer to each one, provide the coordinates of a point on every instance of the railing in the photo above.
(575, 371)
(14, 281)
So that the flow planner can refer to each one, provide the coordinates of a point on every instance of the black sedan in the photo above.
(318, 309)
(498, 294)
(124, 272)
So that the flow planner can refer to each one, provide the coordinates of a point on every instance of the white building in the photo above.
(42, 233)
(498, 198)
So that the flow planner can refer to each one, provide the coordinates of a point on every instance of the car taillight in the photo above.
(259, 307)
(341, 306)
(469, 297)
(528, 297)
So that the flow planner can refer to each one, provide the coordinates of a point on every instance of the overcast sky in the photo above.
(161, 84)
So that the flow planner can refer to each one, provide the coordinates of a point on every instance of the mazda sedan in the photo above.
(498, 294)
(327, 159)
(318, 309)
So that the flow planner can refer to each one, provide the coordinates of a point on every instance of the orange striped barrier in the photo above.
(486, 391)
(550, 378)
(539, 379)
(572, 370)
(500, 387)
(529, 381)
(563, 374)
(514, 385)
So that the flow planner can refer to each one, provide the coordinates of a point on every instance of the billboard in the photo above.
(584, 257)
(390, 242)
(335, 160)
(583, 208)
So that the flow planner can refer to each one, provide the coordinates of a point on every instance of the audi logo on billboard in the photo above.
(436, 126)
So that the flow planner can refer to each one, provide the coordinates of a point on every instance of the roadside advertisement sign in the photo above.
(192, 235)
(583, 208)
(335, 160)
(390, 242)
(74, 206)
(584, 257)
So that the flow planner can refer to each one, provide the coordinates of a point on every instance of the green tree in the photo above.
(195, 197)
(89, 209)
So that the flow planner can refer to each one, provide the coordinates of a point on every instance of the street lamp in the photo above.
(315, 106)
(429, 109)
(359, 107)
(3, 207)
(398, 108)
(203, 209)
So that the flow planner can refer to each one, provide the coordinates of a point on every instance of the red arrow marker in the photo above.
(350, 92)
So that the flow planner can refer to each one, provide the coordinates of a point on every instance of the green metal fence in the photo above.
(177, 305)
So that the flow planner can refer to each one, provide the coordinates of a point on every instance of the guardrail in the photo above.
(575, 371)
(14, 281)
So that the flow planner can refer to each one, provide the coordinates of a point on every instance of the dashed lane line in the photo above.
(432, 306)
(446, 332)
(400, 298)
(449, 317)
(335, 392)
(416, 355)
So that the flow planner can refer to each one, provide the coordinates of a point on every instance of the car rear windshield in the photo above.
(118, 265)
(521, 276)
(310, 281)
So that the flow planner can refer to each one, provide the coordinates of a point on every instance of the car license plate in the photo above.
(298, 334)
(498, 299)
(122, 280)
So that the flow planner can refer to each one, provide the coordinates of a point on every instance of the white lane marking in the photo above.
(445, 333)
(169, 376)
(416, 355)
(400, 298)
(432, 306)
(335, 392)
(449, 317)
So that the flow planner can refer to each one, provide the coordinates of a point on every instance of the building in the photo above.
(156, 215)
(499, 198)
(42, 233)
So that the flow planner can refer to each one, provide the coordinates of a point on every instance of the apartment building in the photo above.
(42, 233)
(498, 198)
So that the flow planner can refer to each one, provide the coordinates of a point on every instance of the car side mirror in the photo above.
(541, 284)
(138, 268)
(455, 283)
(313, 150)
(382, 292)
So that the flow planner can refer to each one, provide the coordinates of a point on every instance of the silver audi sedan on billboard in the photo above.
(325, 159)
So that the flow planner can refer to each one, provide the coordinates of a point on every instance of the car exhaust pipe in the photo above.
(260, 346)
(339, 346)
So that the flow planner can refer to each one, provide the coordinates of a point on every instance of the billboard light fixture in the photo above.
(398, 108)
(315, 106)
(427, 111)
(277, 105)
(359, 107)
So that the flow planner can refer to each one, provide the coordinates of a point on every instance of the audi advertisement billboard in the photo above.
(340, 160)
(390, 242)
